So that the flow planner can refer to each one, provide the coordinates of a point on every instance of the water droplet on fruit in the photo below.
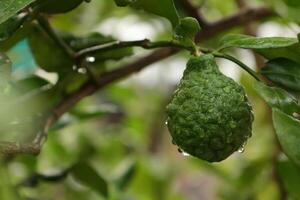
(183, 153)
(242, 148)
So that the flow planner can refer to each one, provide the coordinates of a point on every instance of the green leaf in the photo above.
(128, 172)
(122, 3)
(287, 129)
(5, 71)
(290, 52)
(8, 28)
(48, 55)
(290, 176)
(249, 42)
(7, 190)
(73, 81)
(18, 36)
(30, 83)
(186, 31)
(163, 8)
(93, 39)
(292, 3)
(283, 72)
(89, 114)
(89, 177)
(9, 8)
(277, 98)
(57, 6)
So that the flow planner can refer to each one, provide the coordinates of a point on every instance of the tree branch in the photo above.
(12, 148)
(43, 22)
(193, 11)
(241, 18)
(146, 44)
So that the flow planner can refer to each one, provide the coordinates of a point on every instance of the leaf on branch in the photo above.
(269, 47)
(48, 55)
(292, 3)
(8, 28)
(186, 31)
(19, 35)
(9, 8)
(95, 39)
(163, 8)
(250, 42)
(56, 6)
(30, 83)
(277, 98)
(290, 176)
(283, 72)
(287, 130)
(123, 3)
(289, 52)
(89, 177)
(125, 173)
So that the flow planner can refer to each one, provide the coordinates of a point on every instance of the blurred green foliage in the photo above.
(115, 145)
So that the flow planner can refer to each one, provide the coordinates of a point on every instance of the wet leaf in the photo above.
(277, 98)
(249, 42)
(287, 129)
(9, 8)
(89, 177)
(290, 176)
(283, 72)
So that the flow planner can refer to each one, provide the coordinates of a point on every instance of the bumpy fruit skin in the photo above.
(209, 116)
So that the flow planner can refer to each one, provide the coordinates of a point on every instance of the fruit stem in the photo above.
(238, 62)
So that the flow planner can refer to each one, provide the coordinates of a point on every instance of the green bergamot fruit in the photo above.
(209, 116)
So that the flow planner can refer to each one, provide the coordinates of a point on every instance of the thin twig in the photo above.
(146, 44)
(43, 22)
(238, 62)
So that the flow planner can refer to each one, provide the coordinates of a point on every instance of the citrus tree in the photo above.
(60, 67)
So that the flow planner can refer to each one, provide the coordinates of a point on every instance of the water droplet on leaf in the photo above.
(90, 59)
(82, 70)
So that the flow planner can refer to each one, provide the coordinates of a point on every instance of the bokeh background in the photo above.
(121, 130)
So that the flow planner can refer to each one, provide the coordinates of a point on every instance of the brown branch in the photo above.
(246, 16)
(250, 29)
(12, 148)
(193, 11)
(240, 19)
